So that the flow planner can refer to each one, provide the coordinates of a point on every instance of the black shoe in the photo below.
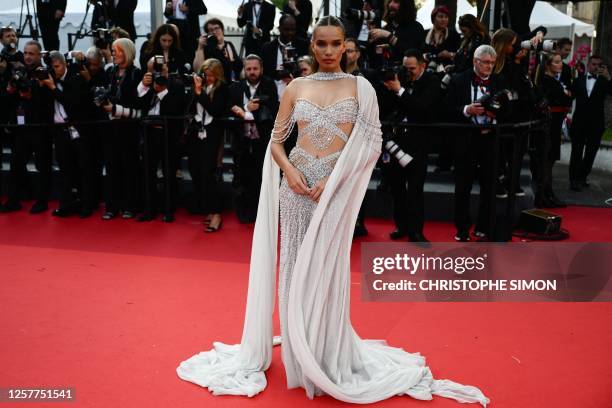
(10, 206)
(520, 192)
(108, 215)
(397, 234)
(61, 212)
(556, 202)
(500, 190)
(168, 218)
(575, 186)
(128, 215)
(462, 236)
(85, 213)
(145, 217)
(585, 183)
(360, 230)
(417, 237)
(478, 234)
(39, 207)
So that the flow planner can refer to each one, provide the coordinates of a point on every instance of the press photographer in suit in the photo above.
(72, 143)
(416, 98)
(185, 14)
(158, 99)
(253, 98)
(258, 17)
(280, 55)
(588, 120)
(50, 13)
(30, 103)
(474, 148)
(115, 13)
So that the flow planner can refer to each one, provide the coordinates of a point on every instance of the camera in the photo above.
(546, 45)
(73, 62)
(102, 38)
(402, 157)
(7, 53)
(494, 103)
(20, 80)
(158, 66)
(360, 15)
(41, 73)
(289, 64)
(212, 41)
(101, 95)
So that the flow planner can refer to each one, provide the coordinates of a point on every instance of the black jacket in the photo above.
(266, 22)
(303, 19)
(196, 8)
(465, 54)
(264, 116)
(73, 94)
(451, 44)
(171, 105)
(269, 54)
(460, 93)
(589, 113)
(218, 106)
(554, 92)
(47, 10)
(37, 109)
(120, 16)
(409, 35)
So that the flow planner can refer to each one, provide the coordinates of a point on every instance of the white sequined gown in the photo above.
(318, 127)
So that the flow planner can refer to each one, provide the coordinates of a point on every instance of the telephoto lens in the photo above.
(402, 157)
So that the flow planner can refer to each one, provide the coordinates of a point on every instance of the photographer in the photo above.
(158, 99)
(469, 101)
(353, 54)
(564, 48)
(302, 11)
(258, 16)
(212, 44)
(402, 31)
(30, 104)
(114, 13)
(254, 98)
(475, 34)
(588, 121)
(417, 96)
(360, 16)
(9, 54)
(50, 13)
(205, 135)
(122, 137)
(185, 14)
(72, 143)
(548, 146)
(166, 43)
(280, 55)
(441, 41)
(305, 65)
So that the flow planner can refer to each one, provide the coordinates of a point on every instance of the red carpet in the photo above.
(111, 308)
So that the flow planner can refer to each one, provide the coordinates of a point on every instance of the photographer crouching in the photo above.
(29, 103)
(160, 100)
(72, 143)
(475, 97)
(416, 96)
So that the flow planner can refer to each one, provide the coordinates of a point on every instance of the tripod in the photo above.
(29, 21)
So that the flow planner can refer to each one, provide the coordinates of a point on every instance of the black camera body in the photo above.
(41, 73)
(212, 41)
(494, 103)
(9, 56)
(158, 67)
(289, 63)
(101, 95)
(21, 80)
(103, 38)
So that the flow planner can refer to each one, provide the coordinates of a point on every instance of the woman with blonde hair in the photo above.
(325, 177)
(211, 102)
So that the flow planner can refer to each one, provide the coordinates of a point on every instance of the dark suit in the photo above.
(416, 105)
(74, 156)
(189, 29)
(202, 153)
(265, 22)
(49, 25)
(302, 20)
(120, 16)
(269, 54)
(472, 149)
(32, 141)
(588, 125)
(249, 153)
(172, 104)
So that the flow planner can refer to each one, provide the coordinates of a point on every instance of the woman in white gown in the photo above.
(325, 179)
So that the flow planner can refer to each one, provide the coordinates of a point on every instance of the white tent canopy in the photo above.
(557, 23)
(544, 14)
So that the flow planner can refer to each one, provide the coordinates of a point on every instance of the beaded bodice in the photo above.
(321, 123)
